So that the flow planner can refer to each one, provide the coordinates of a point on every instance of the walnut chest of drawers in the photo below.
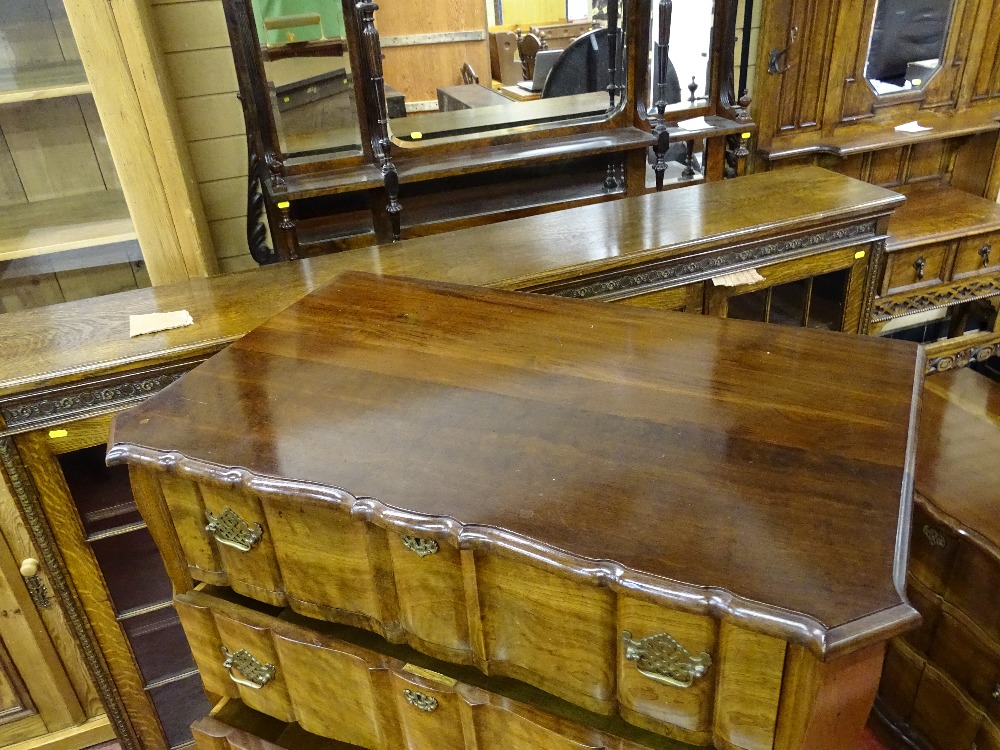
(419, 515)
(941, 684)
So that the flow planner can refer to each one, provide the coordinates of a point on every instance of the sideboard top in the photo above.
(762, 472)
(78, 340)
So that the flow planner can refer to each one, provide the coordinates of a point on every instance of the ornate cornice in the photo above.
(680, 270)
(946, 296)
(30, 505)
(963, 358)
(42, 408)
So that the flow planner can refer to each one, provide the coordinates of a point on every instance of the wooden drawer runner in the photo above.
(346, 692)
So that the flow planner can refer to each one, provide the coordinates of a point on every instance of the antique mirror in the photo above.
(308, 77)
(564, 54)
(907, 43)
(680, 56)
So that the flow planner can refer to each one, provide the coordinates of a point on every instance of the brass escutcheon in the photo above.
(935, 537)
(419, 700)
(256, 674)
(660, 657)
(422, 547)
(231, 530)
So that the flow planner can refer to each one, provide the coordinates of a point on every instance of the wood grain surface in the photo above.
(689, 457)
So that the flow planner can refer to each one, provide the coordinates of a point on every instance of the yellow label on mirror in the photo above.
(284, 204)
(859, 254)
(745, 135)
(58, 433)
(416, 135)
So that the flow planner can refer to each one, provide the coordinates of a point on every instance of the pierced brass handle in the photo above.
(421, 547)
(659, 657)
(35, 585)
(256, 674)
(984, 253)
(417, 699)
(935, 537)
(231, 530)
(919, 265)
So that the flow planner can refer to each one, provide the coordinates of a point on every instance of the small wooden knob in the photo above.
(29, 567)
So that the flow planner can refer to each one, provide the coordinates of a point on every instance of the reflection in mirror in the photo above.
(908, 39)
(683, 82)
(308, 75)
(551, 62)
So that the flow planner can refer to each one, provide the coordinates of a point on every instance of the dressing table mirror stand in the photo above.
(905, 95)
(345, 149)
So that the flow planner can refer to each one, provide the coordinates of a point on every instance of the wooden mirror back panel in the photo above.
(369, 123)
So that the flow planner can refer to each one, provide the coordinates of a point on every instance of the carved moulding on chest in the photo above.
(943, 296)
(681, 270)
(43, 408)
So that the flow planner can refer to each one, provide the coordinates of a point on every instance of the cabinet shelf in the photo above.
(77, 221)
(43, 82)
(919, 220)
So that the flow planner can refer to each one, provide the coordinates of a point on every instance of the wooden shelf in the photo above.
(851, 140)
(934, 212)
(51, 226)
(46, 82)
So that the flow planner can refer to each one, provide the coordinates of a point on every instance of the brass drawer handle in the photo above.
(256, 673)
(659, 657)
(919, 265)
(231, 530)
(984, 253)
(422, 547)
(419, 700)
(935, 537)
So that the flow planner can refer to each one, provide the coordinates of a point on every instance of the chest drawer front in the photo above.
(348, 693)
(916, 267)
(972, 586)
(976, 255)
(933, 545)
(943, 713)
(581, 642)
(971, 660)
(928, 604)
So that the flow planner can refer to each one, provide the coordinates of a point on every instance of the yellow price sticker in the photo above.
(284, 204)
(416, 135)
(745, 135)
(860, 254)
(58, 434)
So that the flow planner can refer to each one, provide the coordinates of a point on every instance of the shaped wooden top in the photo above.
(762, 472)
(958, 449)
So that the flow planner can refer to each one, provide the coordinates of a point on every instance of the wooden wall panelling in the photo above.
(525, 13)
(11, 190)
(851, 95)
(136, 104)
(975, 164)
(51, 149)
(982, 71)
(193, 37)
(418, 69)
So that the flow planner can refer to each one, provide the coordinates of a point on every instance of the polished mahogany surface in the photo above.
(62, 342)
(958, 449)
(657, 447)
